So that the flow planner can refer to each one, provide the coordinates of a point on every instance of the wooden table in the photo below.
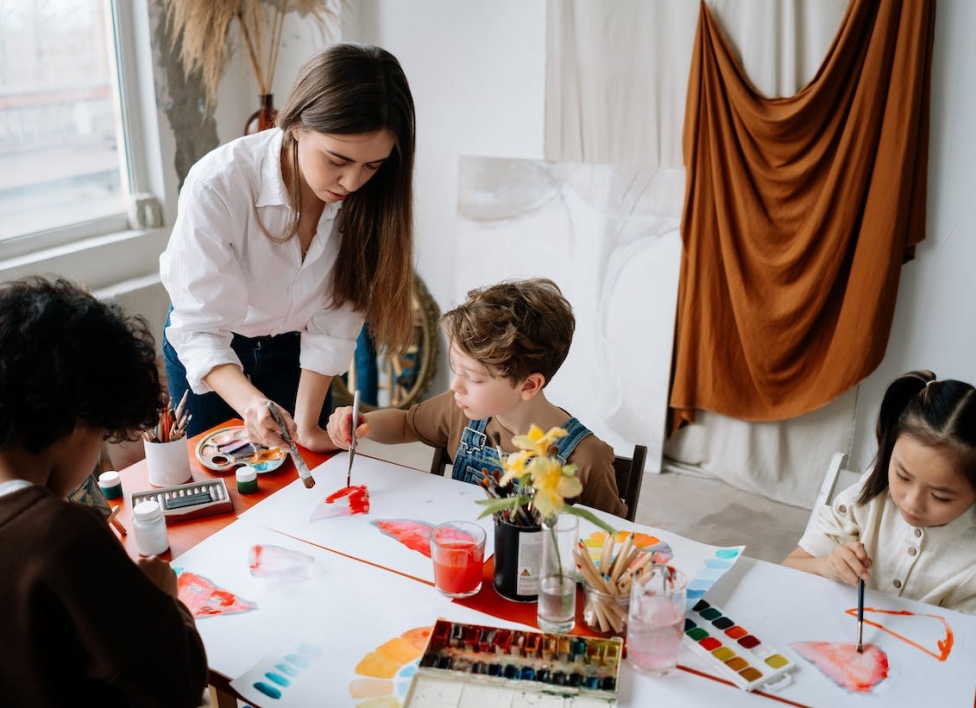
(185, 534)
(783, 605)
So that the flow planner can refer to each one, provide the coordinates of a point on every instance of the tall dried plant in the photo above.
(203, 30)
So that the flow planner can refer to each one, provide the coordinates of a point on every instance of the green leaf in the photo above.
(589, 516)
(494, 506)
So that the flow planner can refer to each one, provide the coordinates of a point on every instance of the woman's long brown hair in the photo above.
(350, 89)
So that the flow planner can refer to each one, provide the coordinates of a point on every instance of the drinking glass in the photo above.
(557, 574)
(458, 551)
(656, 621)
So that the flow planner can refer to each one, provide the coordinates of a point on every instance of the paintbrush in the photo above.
(860, 615)
(303, 471)
(352, 435)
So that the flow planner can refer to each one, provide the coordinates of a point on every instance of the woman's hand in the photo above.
(261, 426)
(340, 427)
(846, 563)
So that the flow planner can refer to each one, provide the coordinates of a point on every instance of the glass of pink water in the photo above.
(656, 620)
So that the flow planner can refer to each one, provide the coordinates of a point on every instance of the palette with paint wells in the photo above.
(225, 449)
(733, 651)
(477, 665)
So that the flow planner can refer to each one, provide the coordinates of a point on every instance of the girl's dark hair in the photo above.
(68, 358)
(350, 89)
(940, 414)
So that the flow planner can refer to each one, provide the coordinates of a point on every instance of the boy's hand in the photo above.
(160, 572)
(340, 427)
(846, 563)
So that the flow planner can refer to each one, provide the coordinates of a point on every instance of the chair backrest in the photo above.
(629, 473)
(440, 461)
(837, 479)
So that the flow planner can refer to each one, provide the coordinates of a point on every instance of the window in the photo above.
(65, 172)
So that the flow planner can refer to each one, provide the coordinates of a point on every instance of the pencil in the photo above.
(860, 615)
(115, 522)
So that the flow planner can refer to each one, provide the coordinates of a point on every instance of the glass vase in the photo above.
(557, 574)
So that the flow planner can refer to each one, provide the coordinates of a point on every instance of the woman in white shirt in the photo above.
(286, 241)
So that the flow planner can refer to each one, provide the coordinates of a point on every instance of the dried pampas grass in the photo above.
(202, 28)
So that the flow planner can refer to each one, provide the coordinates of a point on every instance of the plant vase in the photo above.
(518, 555)
(557, 574)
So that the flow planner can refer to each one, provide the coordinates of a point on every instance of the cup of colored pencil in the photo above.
(607, 582)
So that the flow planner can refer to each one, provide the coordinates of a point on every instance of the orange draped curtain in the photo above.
(799, 213)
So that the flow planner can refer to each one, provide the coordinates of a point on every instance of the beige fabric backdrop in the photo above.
(616, 87)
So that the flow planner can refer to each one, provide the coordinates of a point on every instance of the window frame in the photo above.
(129, 27)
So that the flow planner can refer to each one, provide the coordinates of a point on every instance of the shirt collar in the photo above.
(273, 191)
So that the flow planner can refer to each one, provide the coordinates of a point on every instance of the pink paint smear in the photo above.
(841, 662)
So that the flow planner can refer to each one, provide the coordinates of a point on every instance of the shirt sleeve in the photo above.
(161, 639)
(595, 460)
(205, 282)
(834, 524)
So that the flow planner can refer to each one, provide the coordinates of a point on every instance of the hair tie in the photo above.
(929, 382)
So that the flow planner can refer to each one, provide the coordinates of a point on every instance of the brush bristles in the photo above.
(309, 482)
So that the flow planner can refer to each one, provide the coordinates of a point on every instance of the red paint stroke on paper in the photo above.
(944, 645)
(204, 599)
(348, 501)
(841, 662)
(415, 535)
(275, 561)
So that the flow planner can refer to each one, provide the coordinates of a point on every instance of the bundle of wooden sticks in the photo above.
(612, 576)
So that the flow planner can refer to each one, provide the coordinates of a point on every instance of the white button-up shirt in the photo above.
(933, 564)
(225, 276)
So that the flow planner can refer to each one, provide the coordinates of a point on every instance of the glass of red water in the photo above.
(458, 551)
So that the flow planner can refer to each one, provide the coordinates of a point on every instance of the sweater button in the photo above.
(842, 508)
(912, 550)
(918, 533)
(896, 583)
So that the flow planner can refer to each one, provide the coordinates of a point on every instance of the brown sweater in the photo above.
(80, 623)
(438, 422)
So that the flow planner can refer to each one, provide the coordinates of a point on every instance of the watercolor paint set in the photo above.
(733, 651)
(475, 666)
(189, 501)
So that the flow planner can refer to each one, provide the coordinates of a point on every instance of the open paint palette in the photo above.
(228, 448)
(733, 651)
(469, 665)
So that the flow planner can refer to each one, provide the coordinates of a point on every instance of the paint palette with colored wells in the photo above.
(467, 665)
(736, 653)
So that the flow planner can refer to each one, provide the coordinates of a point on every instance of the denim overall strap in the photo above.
(475, 453)
(576, 431)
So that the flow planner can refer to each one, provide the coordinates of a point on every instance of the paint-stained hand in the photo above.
(160, 572)
(846, 563)
(340, 427)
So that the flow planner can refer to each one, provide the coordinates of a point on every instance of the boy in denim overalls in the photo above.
(506, 343)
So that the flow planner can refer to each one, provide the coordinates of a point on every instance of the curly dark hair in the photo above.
(514, 328)
(940, 414)
(68, 358)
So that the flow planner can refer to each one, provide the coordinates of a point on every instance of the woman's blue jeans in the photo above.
(270, 363)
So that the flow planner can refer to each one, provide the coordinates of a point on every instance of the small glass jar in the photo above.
(149, 526)
(605, 613)
(247, 479)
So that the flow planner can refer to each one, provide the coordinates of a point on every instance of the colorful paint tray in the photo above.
(470, 664)
(225, 449)
(188, 501)
(733, 651)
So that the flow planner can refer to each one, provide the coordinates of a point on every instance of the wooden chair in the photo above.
(837, 479)
(629, 472)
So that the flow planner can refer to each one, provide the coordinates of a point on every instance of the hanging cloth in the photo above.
(799, 213)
